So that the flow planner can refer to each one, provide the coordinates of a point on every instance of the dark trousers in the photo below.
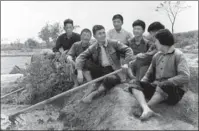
(175, 93)
(139, 67)
(98, 71)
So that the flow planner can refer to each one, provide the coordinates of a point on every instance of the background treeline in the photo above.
(50, 32)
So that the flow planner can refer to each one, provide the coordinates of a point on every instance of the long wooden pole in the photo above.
(13, 92)
(12, 117)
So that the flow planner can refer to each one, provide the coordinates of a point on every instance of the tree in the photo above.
(172, 9)
(31, 43)
(44, 34)
(49, 33)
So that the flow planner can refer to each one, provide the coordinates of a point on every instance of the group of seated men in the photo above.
(154, 70)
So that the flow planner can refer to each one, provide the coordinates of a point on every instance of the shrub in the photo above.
(43, 80)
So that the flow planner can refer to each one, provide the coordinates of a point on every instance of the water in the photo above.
(7, 63)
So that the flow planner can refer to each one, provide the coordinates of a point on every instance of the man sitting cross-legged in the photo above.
(166, 79)
(76, 49)
(105, 54)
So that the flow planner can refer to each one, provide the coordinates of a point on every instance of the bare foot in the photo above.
(146, 115)
(86, 100)
(126, 88)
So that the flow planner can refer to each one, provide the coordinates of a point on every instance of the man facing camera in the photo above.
(118, 33)
(66, 40)
(105, 54)
(76, 49)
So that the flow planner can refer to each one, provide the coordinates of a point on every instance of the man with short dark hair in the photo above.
(153, 28)
(143, 49)
(166, 79)
(67, 39)
(118, 33)
(76, 49)
(105, 54)
(140, 46)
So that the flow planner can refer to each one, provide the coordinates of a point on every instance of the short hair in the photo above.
(68, 21)
(96, 28)
(118, 16)
(165, 37)
(155, 26)
(86, 30)
(139, 23)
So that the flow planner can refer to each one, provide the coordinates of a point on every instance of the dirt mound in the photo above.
(115, 111)
(112, 110)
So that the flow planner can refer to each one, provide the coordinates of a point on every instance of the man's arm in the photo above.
(127, 51)
(150, 74)
(57, 46)
(183, 73)
(72, 51)
(81, 59)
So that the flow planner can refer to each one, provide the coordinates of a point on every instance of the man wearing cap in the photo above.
(166, 79)
(76, 49)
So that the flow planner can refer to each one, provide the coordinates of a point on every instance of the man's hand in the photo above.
(140, 55)
(80, 77)
(156, 83)
(70, 59)
(125, 68)
(57, 55)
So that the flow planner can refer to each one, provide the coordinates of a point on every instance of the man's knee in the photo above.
(111, 81)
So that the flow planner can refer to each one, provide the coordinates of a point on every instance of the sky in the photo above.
(24, 19)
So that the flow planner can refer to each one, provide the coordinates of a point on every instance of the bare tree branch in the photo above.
(172, 9)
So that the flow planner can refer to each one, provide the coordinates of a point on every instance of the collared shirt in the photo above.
(103, 55)
(77, 48)
(113, 50)
(171, 66)
(122, 35)
(65, 42)
(139, 48)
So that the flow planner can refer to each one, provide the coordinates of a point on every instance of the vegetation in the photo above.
(172, 10)
(45, 77)
(187, 40)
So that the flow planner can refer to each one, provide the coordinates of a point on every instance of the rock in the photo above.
(17, 70)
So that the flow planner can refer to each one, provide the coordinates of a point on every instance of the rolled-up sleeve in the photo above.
(124, 49)
(57, 46)
(150, 74)
(81, 59)
(183, 72)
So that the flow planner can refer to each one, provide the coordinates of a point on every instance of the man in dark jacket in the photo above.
(105, 54)
(67, 39)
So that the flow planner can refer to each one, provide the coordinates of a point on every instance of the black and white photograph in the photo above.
(99, 65)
